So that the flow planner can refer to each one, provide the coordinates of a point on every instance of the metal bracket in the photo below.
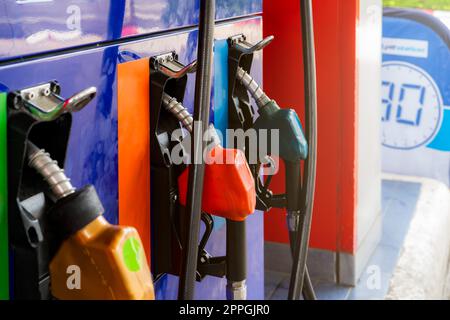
(246, 47)
(45, 103)
(168, 64)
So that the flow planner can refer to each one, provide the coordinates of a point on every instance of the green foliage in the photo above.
(423, 4)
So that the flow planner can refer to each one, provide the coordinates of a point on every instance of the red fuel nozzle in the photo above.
(230, 188)
(228, 184)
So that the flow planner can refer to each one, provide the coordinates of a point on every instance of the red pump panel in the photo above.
(335, 23)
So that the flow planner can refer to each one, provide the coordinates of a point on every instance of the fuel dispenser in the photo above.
(174, 228)
(54, 226)
(55, 229)
(293, 145)
(229, 185)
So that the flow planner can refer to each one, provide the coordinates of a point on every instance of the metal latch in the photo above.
(168, 64)
(246, 47)
(46, 104)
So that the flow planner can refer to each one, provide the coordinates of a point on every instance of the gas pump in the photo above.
(294, 147)
(56, 230)
(228, 183)
(231, 195)
(168, 80)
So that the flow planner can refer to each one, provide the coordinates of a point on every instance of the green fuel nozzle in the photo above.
(293, 144)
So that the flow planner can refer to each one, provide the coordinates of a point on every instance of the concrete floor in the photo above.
(421, 271)
(403, 202)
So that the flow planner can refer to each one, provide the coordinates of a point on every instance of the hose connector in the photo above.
(50, 171)
(293, 220)
(236, 290)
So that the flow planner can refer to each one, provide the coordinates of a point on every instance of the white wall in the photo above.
(369, 129)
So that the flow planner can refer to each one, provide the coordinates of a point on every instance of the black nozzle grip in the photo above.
(75, 211)
(236, 251)
(293, 185)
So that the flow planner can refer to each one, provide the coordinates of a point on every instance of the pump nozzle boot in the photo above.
(94, 260)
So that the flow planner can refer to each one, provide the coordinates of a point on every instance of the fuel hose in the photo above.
(186, 288)
(309, 177)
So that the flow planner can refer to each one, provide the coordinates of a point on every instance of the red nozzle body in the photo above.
(229, 188)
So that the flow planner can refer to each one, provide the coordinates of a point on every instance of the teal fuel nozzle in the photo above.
(293, 146)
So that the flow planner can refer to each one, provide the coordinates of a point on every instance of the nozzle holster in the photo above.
(31, 242)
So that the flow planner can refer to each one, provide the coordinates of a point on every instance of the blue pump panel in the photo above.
(30, 27)
(220, 98)
(93, 148)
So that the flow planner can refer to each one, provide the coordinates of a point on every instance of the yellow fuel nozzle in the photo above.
(95, 260)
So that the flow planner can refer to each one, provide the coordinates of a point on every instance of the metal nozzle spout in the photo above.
(253, 88)
(182, 114)
(179, 111)
(50, 171)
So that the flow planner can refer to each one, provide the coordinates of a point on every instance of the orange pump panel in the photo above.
(134, 148)
(229, 188)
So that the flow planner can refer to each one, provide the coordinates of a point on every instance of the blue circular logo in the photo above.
(412, 106)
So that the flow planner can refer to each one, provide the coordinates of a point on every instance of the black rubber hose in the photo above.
(308, 288)
(236, 251)
(293, 194)
(186, 286)
(236, 259)
(307, 199)
(292, 186)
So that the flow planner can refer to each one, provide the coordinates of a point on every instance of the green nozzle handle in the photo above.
(292, 142)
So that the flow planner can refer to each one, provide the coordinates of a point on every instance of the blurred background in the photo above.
(384, 133)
